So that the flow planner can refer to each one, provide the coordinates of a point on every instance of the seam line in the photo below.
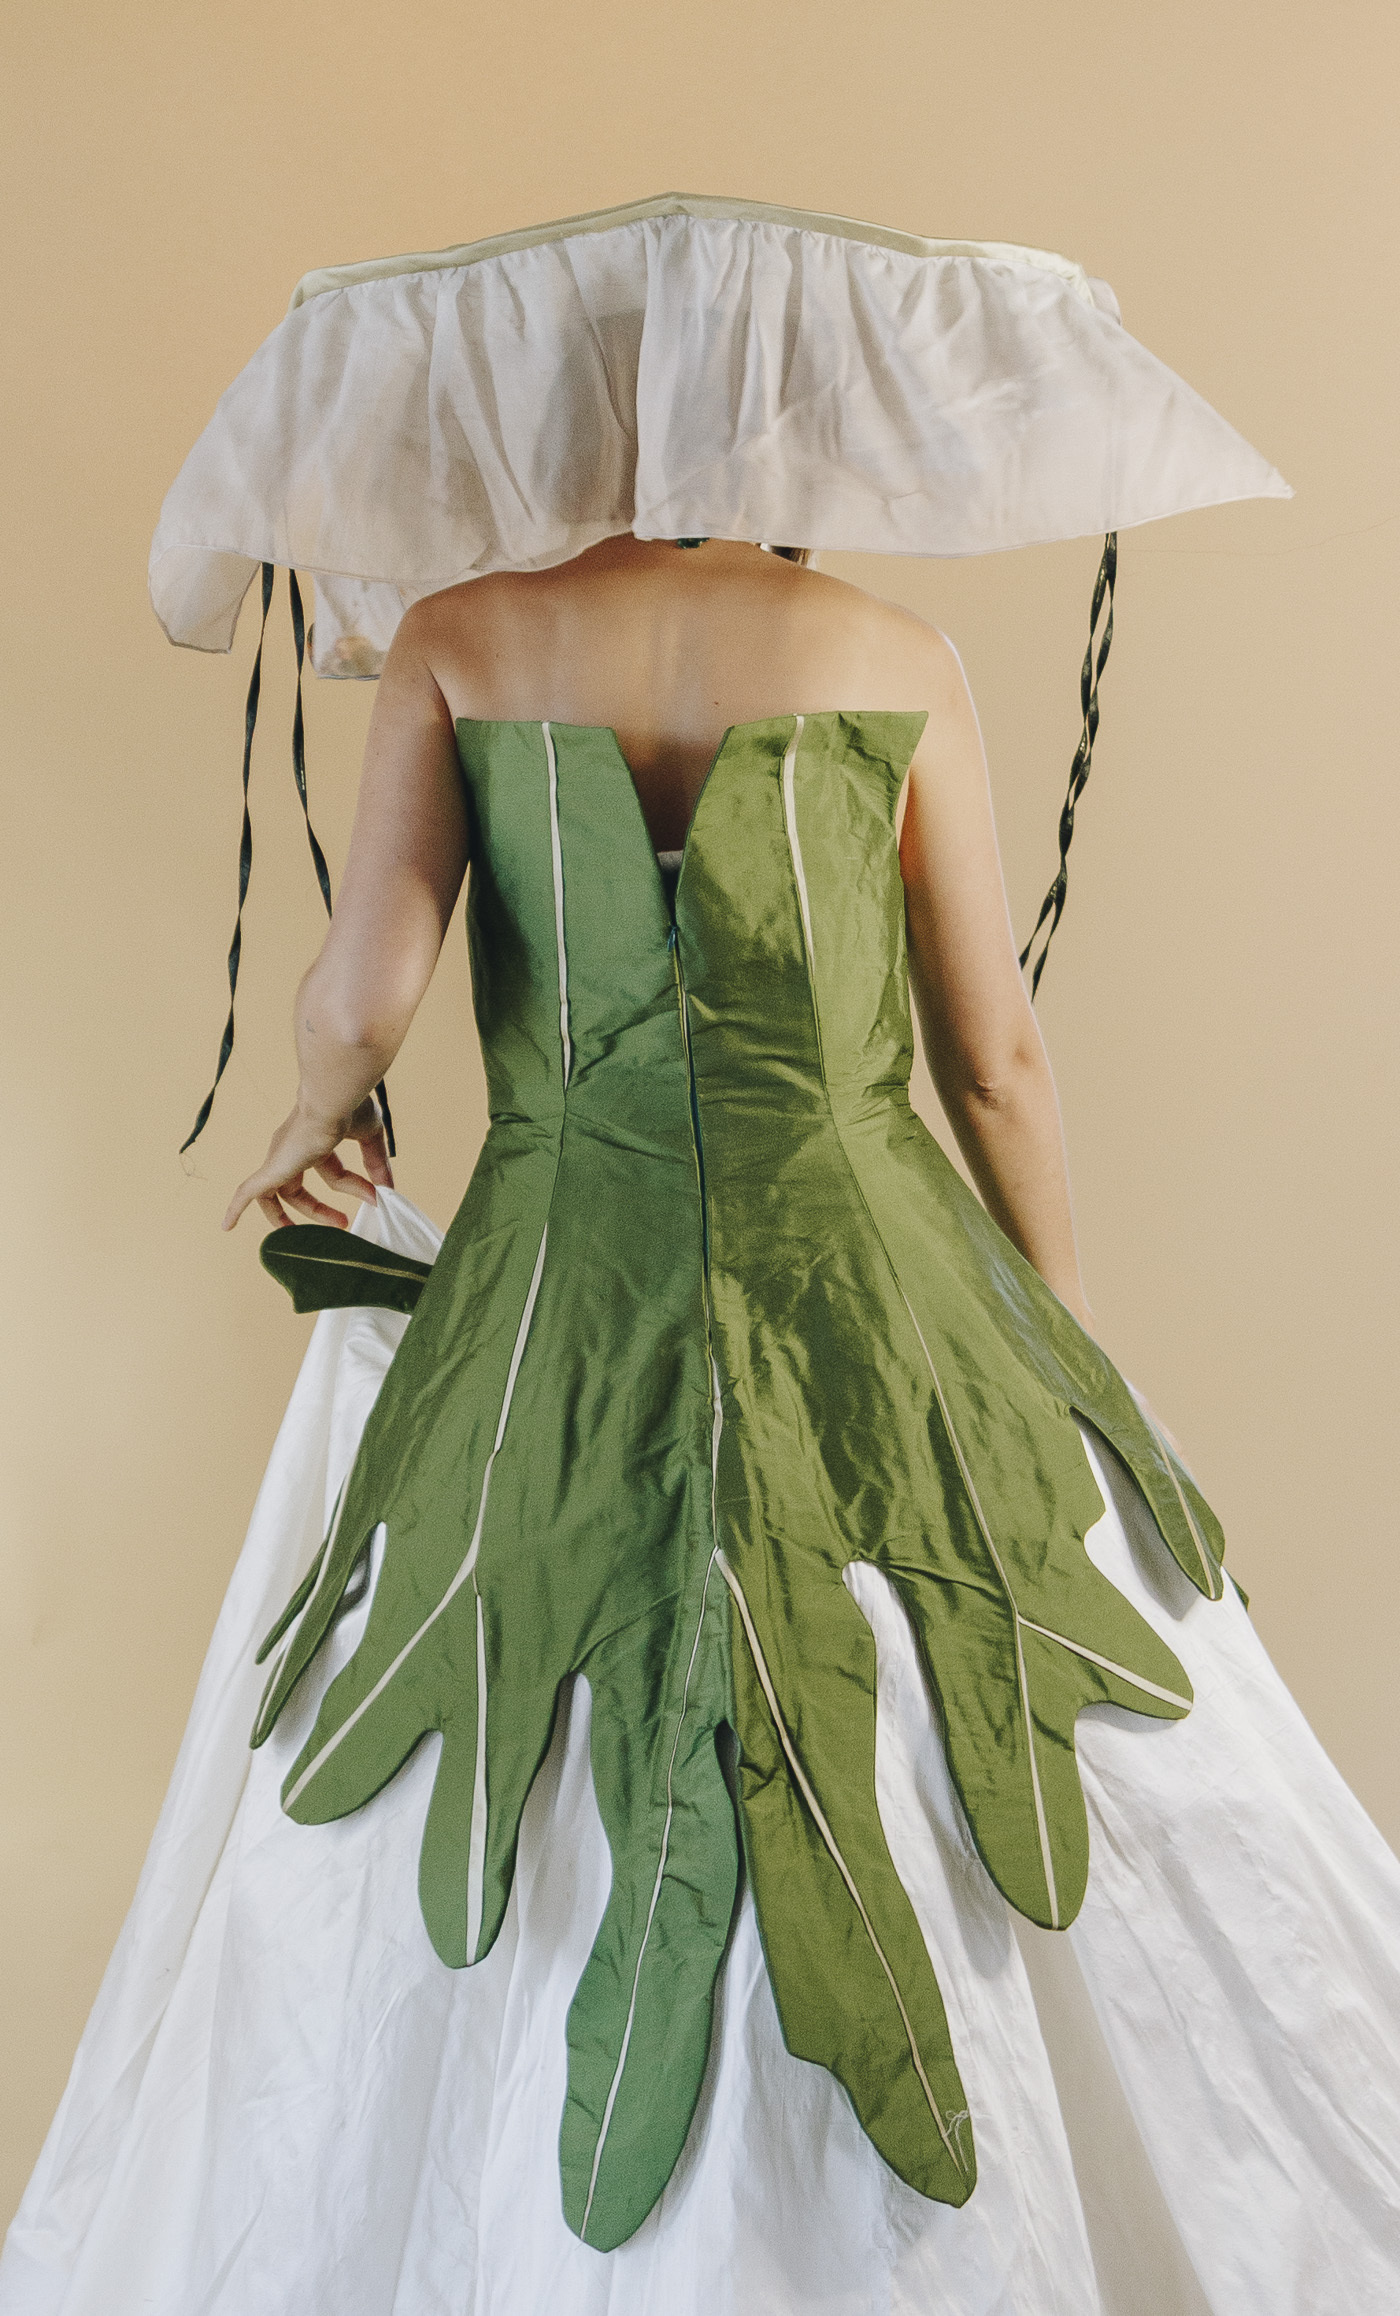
(322, 1564)
(795, 847)
(1213, 1578)
(1134, 1680)
(476, 1846)
(557, 864)
(616, 2083)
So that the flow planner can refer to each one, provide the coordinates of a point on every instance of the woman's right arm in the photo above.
(981, 1038)
(403, 872)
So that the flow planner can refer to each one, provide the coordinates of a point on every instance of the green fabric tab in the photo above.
(331, 1270)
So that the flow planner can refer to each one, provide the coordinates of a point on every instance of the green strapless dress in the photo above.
(716, 1321)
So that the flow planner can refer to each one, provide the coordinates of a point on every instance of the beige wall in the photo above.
(1220, 996)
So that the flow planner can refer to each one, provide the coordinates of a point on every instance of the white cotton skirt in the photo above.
(285, 2105)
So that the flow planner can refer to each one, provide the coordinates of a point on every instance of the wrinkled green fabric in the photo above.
(716, 1319)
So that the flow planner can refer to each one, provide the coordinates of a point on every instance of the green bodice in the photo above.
(717, 1318)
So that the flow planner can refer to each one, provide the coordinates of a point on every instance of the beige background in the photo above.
(1220, 996)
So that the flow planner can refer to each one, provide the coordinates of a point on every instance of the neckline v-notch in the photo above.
(551, 724)
(797, 719)
(671, 900)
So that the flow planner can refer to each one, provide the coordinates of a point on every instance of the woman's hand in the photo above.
(403, 872)
(305, 1142)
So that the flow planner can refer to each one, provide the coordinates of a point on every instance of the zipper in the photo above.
(683, 1007)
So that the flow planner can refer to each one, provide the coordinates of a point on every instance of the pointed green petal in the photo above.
(332, 1270)
(851, 1974)
(639, 2024)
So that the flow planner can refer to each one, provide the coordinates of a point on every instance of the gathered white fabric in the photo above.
(681, 368)
(286, 2105)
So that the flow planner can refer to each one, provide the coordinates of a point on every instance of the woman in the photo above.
(671, 650)
(725, 1411)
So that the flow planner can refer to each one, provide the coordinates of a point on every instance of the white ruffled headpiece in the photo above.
(680, 368)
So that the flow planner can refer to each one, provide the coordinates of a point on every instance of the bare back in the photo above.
(670, 646)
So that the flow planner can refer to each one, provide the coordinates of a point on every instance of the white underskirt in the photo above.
(285, 2105)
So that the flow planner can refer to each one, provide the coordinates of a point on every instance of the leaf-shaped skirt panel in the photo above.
(904, 1427)
(540, 1461)
(961, 1272)
(428, 1444)
(639, 2025)
(1015, 1654)
(852, 1979)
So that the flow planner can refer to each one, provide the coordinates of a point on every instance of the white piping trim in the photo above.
(372, 1553)
(801, 1779)
(794, 847)
(476, 1846)
(616, 2083)
(346, 1263)
(463, 1573)
(1022, 1681)
(1134, 1680)
(557, 862)
(289, 1637)
(275, 1675)
(1215, 1581)
(716, 1427)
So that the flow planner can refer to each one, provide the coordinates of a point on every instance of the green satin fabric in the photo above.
(715, 1320)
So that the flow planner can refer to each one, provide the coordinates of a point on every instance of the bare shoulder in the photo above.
(465, 641)
(906, 661)
(449, 627)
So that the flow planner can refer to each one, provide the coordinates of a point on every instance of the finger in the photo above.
(267, 1200)
(374, 1150)
(332, 1170)
(261, 1186)
(305, 1203)
(241, 1200)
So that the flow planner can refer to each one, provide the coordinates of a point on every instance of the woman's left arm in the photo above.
(403, 872)
(980, 1036)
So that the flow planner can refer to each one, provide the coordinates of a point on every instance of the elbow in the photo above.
(354, 1031)
(991, 1083)
(337, 1020)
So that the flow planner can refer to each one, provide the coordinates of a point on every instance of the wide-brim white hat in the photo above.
(682, 367)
